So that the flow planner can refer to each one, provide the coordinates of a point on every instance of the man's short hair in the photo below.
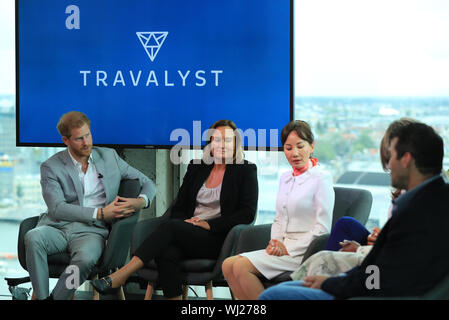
(384, 150)
(70, 120)
(423, 143)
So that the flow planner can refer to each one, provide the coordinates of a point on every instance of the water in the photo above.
(9, 267)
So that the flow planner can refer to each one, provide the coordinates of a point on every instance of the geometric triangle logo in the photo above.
(152, 41)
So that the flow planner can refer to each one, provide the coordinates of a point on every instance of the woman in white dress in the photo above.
(304, 207)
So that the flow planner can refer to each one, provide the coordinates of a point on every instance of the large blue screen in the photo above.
(141, 69)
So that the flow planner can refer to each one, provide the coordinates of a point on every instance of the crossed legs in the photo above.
(172, 242)
(120, 276)
(242, 278)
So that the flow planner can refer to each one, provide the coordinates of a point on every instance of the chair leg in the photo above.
(149, 292)
(185, 293)
(96, 294)
(232, 294)
(121, 293)
(209, 293)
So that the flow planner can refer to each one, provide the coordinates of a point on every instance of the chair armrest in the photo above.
(129, 188)
(228, 248)
(119, 240)
(253, 238)
(316, 245)
(143, 229)
(117, 245)
(386, 298)
(439, 292)
(26, 225)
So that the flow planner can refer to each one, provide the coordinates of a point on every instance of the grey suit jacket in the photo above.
(63, 192)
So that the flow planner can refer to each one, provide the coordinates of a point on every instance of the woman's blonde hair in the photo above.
(238, 155)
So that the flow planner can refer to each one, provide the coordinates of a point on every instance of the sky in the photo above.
(372, 47)
(342, 47)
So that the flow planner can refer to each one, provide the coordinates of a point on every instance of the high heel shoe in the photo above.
(104, 285)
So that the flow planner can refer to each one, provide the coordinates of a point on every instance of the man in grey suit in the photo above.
(79, 186)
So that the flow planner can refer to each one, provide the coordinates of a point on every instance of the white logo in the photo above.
(152, 42)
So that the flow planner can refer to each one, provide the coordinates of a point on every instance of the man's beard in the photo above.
(400, 182)
(84, 151)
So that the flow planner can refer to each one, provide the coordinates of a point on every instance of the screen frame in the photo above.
(137, 146)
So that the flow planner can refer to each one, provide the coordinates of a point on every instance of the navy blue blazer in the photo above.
(411, 251)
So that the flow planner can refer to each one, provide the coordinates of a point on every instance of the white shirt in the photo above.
(305, 205)
(93, 189)
(208, 203)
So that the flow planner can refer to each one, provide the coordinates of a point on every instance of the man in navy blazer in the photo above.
(79, 186)
(409, 256)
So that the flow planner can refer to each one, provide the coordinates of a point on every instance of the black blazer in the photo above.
(411, 251)
(238, 197)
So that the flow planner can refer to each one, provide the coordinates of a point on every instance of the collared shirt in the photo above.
(304, 207)
(93, 188)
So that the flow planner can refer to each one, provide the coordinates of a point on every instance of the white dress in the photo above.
(304, 209)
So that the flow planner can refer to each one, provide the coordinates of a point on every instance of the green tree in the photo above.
(324, 151)
(362, 143)
(341, 145)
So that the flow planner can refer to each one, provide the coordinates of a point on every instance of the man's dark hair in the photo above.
(423, 143)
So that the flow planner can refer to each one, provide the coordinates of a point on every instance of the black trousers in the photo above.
(171, 243)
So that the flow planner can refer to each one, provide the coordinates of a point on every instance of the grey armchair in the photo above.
(201, 272)
(351, 202)
(439, 292)
(115, 252)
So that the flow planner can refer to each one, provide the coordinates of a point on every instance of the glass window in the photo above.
(20, 190)
(359, 65)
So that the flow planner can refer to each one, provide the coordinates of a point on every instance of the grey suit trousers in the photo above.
(85, 249)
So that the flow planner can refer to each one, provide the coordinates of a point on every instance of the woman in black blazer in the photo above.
(217, 193)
